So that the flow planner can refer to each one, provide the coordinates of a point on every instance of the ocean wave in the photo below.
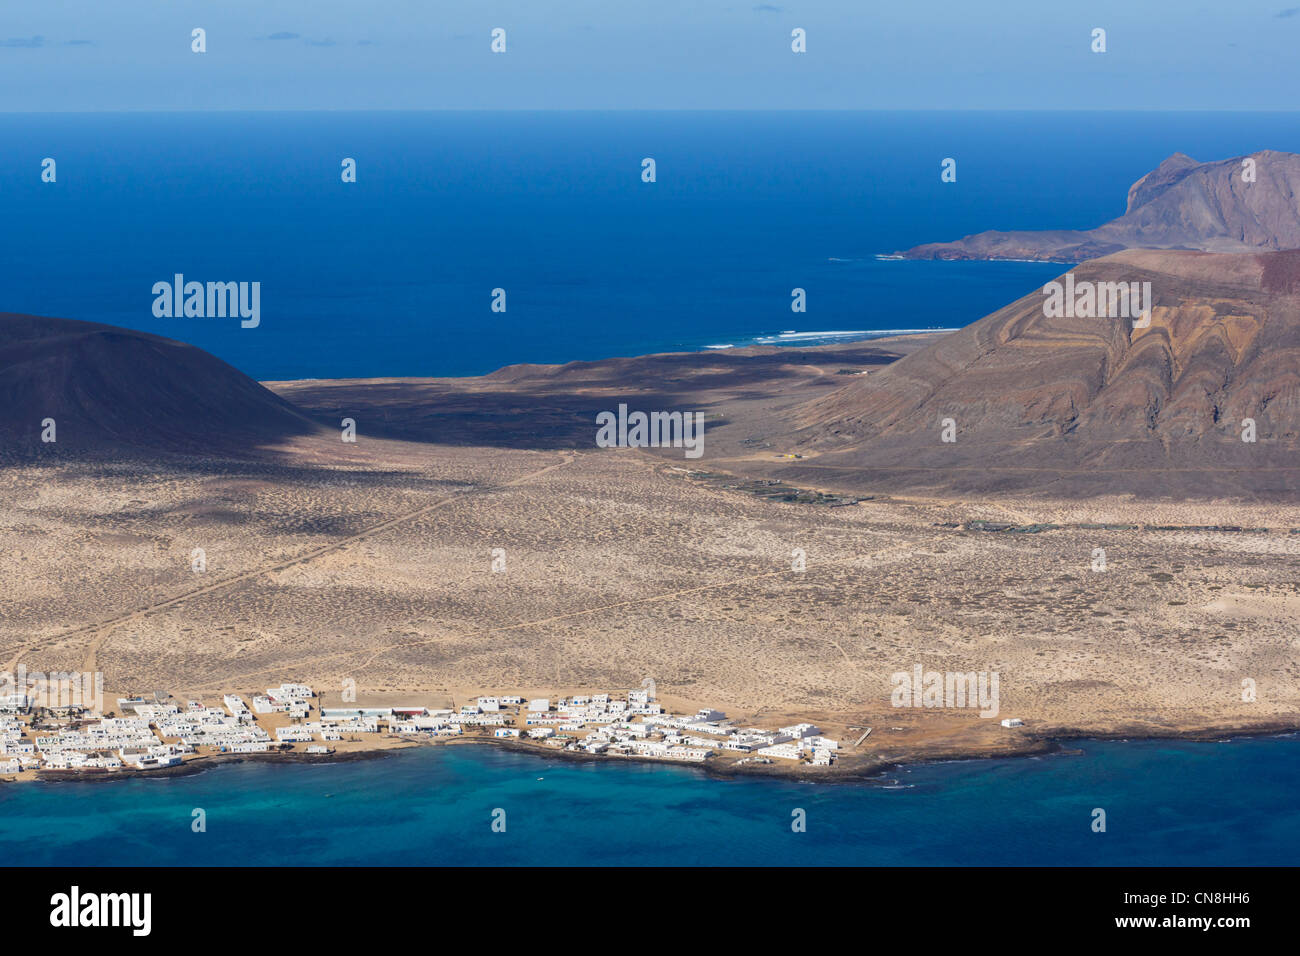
(826, 334)
(819, 337)
(829, 334)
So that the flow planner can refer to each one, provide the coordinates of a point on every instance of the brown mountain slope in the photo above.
(1088, 405)
(116, 389)
(1182, 204)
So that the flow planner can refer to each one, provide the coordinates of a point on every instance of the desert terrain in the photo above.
(329, 561)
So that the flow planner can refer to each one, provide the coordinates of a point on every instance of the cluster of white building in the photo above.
(634, 725)
(17, 753)
(152, 732)
(638, 726)
(158, 731)
(232, 730)
(291, 699)
(109, 743)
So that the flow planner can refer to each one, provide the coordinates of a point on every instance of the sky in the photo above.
(108, 55)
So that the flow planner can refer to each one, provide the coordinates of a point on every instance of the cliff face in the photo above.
(1182, 204)
(116, 389)
(1079, 406)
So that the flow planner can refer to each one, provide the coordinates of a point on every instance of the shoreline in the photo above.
(205, 762)
(867, 771)
(825, 342)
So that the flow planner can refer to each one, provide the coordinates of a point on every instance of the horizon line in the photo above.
(653, 109)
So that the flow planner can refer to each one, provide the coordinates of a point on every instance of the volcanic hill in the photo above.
(116, 389)
(1086, 406)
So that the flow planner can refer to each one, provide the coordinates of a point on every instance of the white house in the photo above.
(799, 731)
(783, 751)
(14, 703)
(248, 747)
(650, 748)
(150, 759)
(695, 754)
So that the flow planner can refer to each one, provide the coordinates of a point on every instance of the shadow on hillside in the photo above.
(556, 408)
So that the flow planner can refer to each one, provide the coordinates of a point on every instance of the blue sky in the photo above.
(93, 55)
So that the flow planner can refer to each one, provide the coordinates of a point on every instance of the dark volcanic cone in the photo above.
(113, 389)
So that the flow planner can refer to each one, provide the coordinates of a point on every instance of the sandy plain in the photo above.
(372, 562)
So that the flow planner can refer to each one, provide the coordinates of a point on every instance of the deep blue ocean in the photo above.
(1166, 804)
(392, 275)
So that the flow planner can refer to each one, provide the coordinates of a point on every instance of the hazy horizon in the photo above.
(78, 56)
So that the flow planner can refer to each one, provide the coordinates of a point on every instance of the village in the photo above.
(156, 731)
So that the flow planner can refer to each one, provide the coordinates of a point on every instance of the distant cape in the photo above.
(1245, 204)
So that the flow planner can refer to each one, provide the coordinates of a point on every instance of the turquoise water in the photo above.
(1231, 803)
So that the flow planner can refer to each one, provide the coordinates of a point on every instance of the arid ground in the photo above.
(328, 561)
